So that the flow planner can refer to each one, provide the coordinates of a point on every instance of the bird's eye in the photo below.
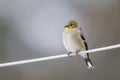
(71, 24)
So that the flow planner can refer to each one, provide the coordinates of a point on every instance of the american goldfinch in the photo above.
(74, 41)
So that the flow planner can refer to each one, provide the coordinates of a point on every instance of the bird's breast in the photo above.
(72, 41)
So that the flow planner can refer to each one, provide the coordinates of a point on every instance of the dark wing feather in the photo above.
(83, 38)
(85, 42)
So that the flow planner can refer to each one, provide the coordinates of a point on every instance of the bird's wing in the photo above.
(83, 38)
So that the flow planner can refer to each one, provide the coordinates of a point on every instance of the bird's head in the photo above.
(71, 25)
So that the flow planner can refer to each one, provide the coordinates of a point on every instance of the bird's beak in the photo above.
(66, 26)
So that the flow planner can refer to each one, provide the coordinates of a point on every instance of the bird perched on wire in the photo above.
(74, 41)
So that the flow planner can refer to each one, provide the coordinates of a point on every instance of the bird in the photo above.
(74, 41)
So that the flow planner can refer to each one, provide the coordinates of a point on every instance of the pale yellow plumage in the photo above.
(74, 41)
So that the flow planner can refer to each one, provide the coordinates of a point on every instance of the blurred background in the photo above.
(33, 29)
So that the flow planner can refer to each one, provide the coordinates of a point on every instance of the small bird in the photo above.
(74, 41)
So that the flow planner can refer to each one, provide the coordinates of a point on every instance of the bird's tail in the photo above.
(89, 63)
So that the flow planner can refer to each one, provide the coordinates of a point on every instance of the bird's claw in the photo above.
(77, 52)
(69, 54)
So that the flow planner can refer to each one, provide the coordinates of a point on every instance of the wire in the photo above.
(57, 56)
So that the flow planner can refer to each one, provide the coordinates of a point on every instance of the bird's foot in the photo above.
(77, 52)
(69, 54)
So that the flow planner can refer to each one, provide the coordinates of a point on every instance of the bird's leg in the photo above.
(77, 52)
(69, 54)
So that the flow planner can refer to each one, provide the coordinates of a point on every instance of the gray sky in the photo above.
(33, 28)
